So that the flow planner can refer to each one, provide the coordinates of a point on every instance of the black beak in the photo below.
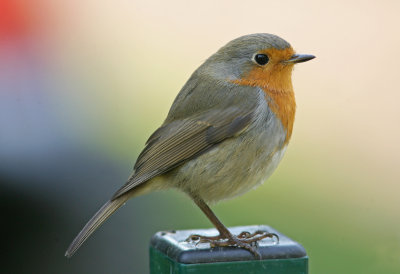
(299, 58)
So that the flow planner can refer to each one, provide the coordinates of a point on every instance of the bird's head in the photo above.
(263, 60)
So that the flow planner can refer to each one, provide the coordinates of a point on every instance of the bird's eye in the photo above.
(261, 59)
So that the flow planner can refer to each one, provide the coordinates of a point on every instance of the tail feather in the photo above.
(102, 214)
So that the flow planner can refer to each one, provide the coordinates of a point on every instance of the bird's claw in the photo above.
(244, 240)
(257, 236)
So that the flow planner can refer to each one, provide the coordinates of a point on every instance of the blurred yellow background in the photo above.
(84, 83)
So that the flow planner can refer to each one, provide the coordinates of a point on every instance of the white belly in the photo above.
(238, 164)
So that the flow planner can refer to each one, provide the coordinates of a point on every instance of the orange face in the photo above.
(275, 80)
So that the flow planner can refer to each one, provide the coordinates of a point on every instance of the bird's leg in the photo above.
(244, 240)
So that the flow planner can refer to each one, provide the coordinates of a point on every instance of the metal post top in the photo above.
(174, 245)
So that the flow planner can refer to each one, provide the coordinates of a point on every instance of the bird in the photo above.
(225, 133)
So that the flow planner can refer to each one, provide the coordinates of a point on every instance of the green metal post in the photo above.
(170, 253)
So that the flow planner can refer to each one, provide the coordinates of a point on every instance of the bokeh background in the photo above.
(84, 83)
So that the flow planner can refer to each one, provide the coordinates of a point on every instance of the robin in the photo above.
(225, 133)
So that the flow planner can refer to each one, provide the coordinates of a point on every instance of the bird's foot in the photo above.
(244, 240)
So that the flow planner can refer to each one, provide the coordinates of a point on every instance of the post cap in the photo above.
(174, 245)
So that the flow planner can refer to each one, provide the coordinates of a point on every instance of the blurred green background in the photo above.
(84, 83)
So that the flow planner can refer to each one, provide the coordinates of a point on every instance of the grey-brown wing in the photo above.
(182, 140)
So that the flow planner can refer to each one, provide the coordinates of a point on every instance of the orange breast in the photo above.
(275, 80)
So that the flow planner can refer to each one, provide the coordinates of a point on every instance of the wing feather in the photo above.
(182, 140)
